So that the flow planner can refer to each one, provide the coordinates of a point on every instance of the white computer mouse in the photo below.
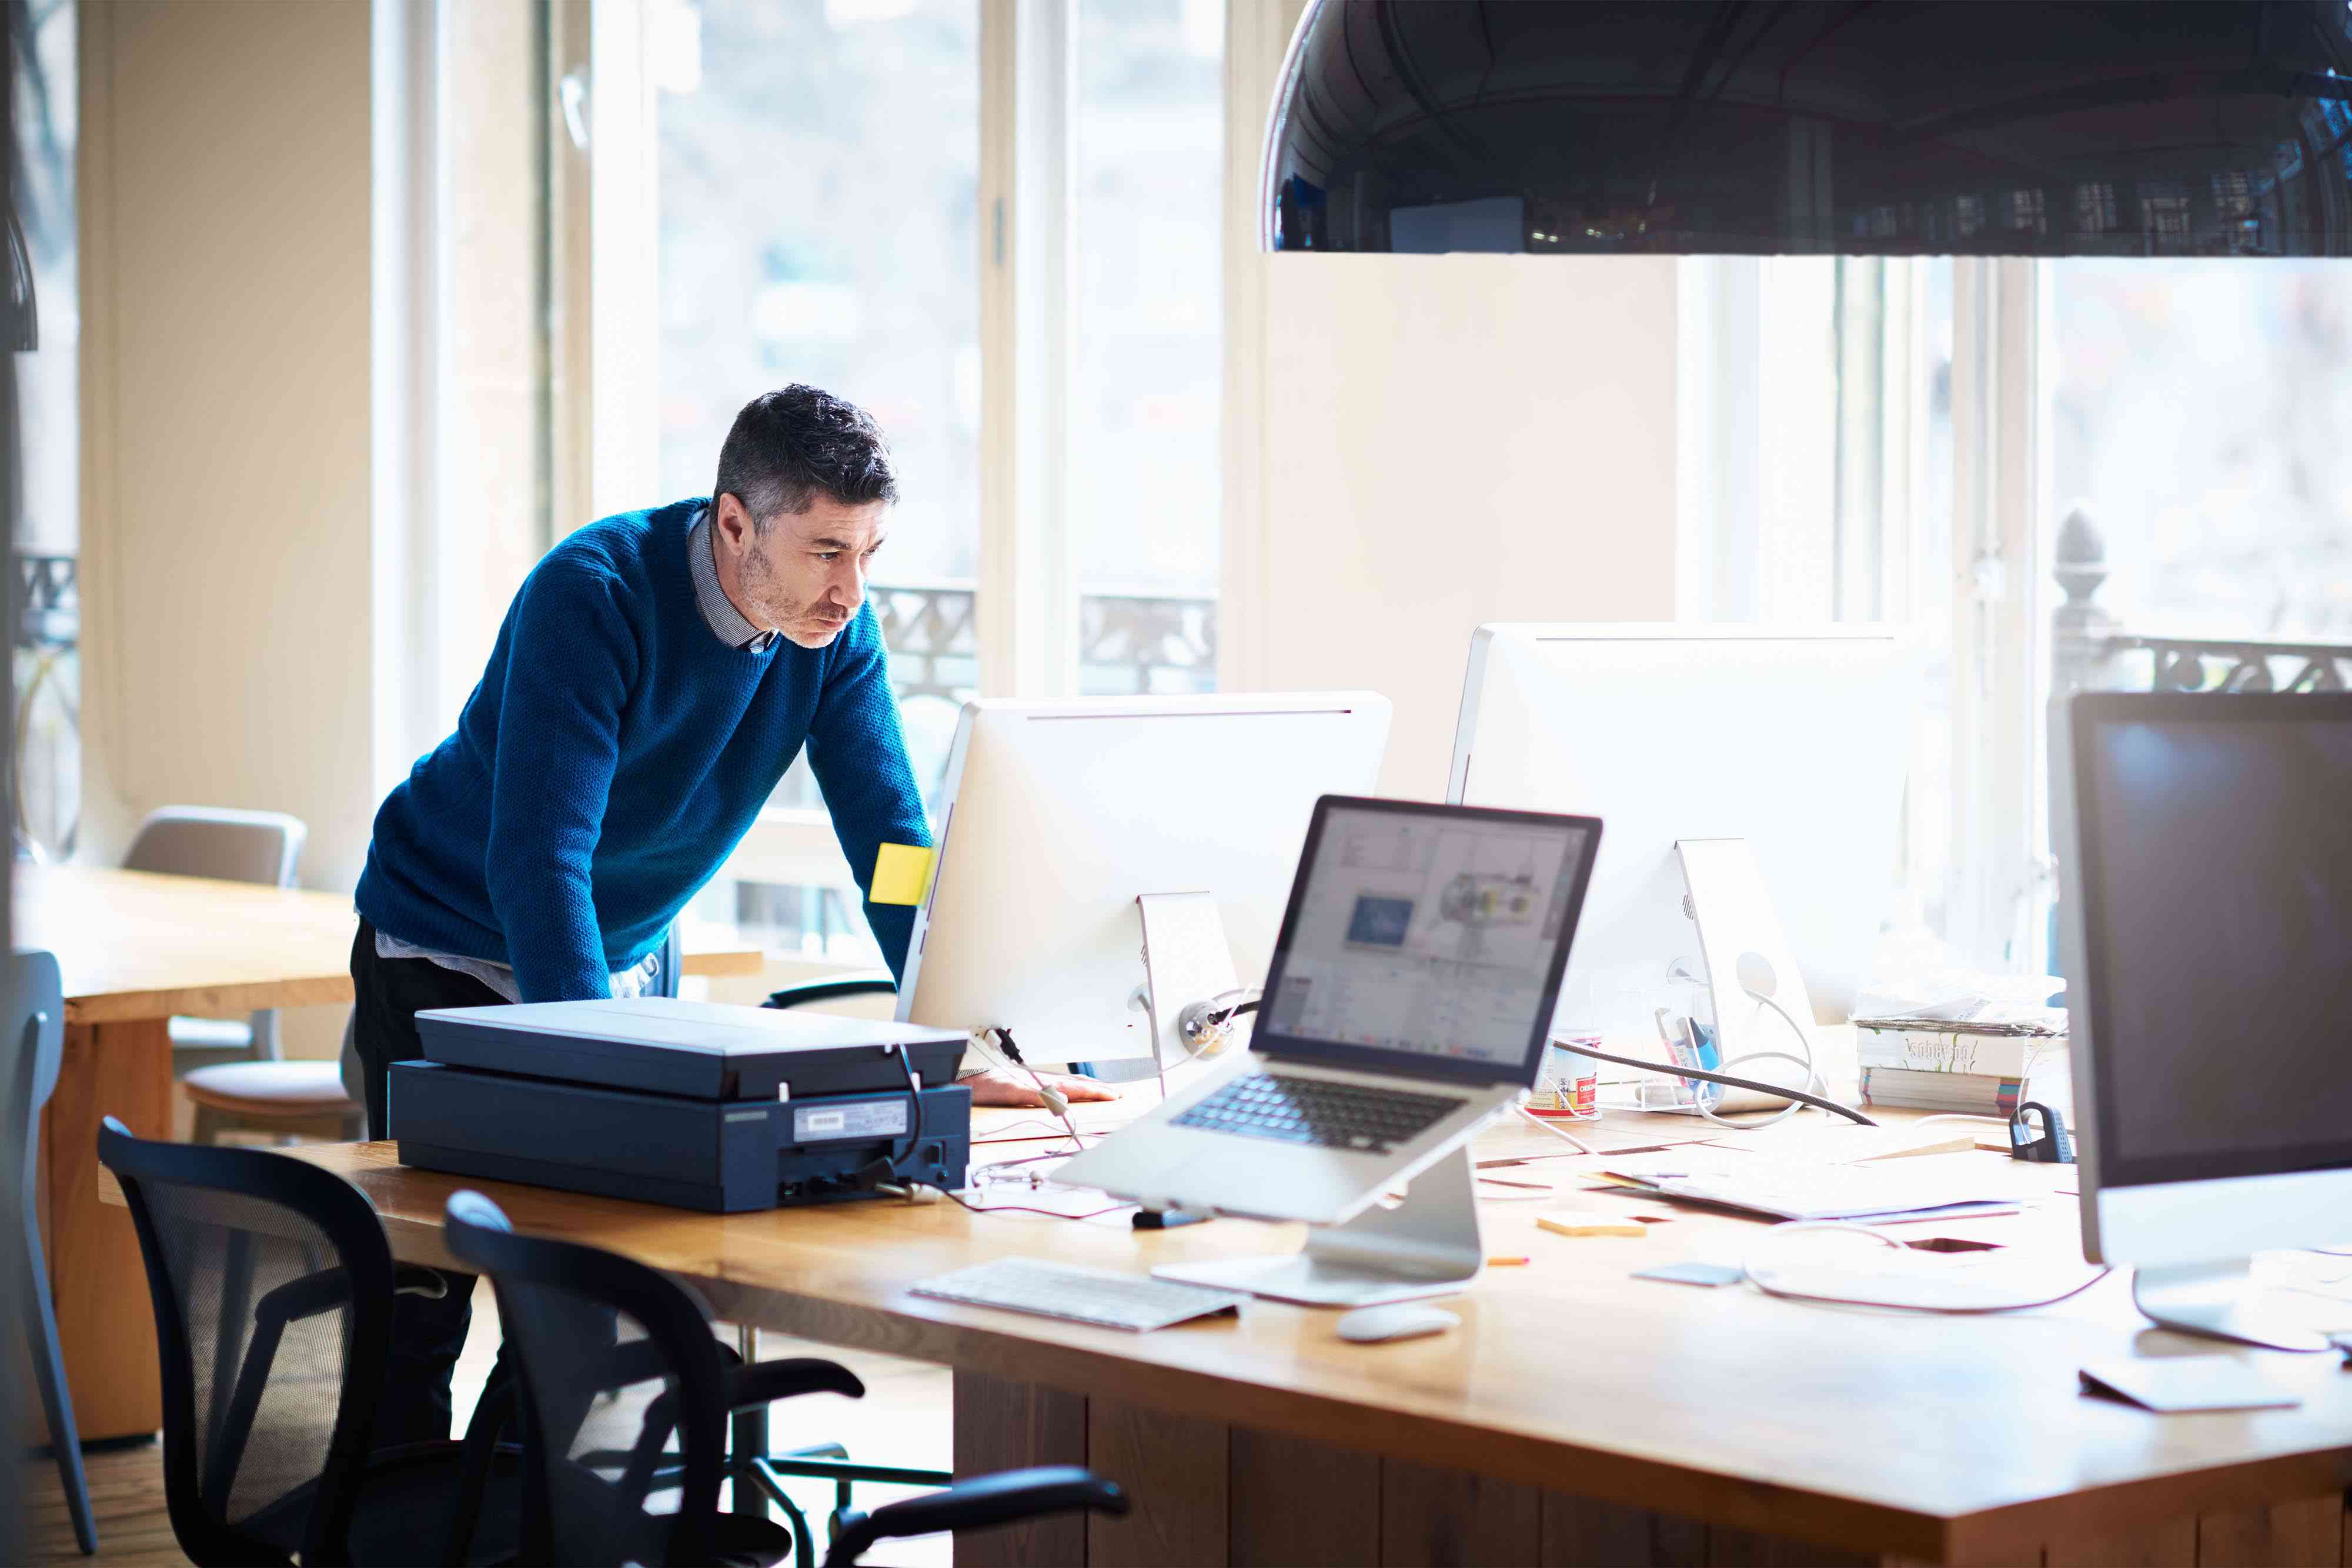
(1402, 1319)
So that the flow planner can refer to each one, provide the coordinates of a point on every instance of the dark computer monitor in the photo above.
(2205, 855)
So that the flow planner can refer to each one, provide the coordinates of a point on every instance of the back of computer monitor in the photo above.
(1796, 739)
(1058, 815)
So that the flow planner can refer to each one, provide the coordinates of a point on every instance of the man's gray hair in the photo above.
(788, 448)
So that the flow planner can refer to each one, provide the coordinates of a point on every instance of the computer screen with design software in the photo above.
(1431, 933)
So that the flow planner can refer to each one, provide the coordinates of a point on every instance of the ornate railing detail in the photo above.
(1127, 642)
(2088, 654)
(45, 751)
(1141, 642)
(48, 601)
(933, 640)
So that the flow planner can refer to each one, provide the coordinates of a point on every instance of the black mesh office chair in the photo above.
(273, 1287)
(750, 1461)
(616, 1360)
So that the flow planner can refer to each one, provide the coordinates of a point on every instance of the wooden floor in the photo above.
(903, 1419)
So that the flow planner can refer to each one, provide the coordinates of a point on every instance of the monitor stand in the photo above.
(1186, 958)
(2218, 1301)
(1429, 1245)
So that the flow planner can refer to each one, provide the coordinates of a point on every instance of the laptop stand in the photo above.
(1429, 1245)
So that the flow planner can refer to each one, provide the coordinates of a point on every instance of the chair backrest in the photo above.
(36, 1027)
(220, 842)
(272, 1285)
(613, 1360)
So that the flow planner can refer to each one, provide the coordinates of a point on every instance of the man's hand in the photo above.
(1001, 1086)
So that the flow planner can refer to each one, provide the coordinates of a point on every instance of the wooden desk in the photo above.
(135, 949)
(1578, 1416)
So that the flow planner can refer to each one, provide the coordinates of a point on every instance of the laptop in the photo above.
(1409, 999)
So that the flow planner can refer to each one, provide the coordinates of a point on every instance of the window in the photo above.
(1148, 313)
(46, 658)
(1902, 438)
(1816, 467)
(2195, 423)
(819, 182)
(2198, 421)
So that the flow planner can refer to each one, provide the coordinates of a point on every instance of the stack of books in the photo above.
(1941, 1065)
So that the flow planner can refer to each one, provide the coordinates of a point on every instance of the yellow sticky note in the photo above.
(902, 873)
(1569, 1222)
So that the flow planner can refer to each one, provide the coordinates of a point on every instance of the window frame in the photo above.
(603, 205)
(1994, 578)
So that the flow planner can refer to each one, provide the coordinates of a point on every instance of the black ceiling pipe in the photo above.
(2115, 128)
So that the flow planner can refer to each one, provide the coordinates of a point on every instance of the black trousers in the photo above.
(427, 1334)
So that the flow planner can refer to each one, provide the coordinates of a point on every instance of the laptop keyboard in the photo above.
(1320, 1113)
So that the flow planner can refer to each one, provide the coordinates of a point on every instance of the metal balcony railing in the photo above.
(1127, 643)
(2090, 651)
(46, 742)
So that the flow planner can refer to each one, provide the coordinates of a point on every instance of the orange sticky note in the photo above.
(902, 874)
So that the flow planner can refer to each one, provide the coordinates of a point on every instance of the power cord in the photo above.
(1053, 1099)
(1202, 1026)
(1801, 1096)
(915, 1097)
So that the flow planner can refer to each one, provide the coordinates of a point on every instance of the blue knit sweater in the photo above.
(611, 757)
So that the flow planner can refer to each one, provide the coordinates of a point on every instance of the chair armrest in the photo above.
(810, 993)
(765, 1382)
(976, 1505)
(747, 1387)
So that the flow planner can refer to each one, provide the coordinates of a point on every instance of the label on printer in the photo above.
(864, 1119)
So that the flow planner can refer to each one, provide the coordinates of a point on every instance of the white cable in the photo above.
(1581, 1146)
(1812, 1085)
(1749, 1270)
(1054, 1101)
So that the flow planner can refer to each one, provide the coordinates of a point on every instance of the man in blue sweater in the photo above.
(655, 677)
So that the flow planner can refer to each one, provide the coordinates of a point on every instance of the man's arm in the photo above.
(570, 658)
(858, 752)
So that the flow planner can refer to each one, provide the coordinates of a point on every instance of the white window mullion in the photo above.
(624, 228)
(1258, 33)
(407, 339)
(1026, 610)
(1996, 388)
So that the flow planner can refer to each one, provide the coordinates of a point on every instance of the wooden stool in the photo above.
(285, 1099)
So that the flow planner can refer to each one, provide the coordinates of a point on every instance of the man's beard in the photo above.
(761, 586)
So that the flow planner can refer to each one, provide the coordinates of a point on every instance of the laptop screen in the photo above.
(1427, 939)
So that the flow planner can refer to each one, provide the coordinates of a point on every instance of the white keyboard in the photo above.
(1133, 1301)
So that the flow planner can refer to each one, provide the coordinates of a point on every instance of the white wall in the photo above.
(1416, 444)
(1450, 440)
(226, 416)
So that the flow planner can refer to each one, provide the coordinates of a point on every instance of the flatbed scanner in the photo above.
(696, 1104)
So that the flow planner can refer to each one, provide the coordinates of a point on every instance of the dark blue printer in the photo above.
(695, 1105)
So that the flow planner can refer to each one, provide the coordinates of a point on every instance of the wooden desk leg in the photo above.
(105, 1326)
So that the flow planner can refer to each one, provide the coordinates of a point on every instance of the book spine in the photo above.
(1966, 1092)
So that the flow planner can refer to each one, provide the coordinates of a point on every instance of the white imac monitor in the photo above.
(1795, 739)
(2205, 865)
(1058, 815)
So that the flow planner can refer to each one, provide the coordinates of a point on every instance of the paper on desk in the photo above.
(2171, 1385)
(1791, 1189)
(1981, 1004)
